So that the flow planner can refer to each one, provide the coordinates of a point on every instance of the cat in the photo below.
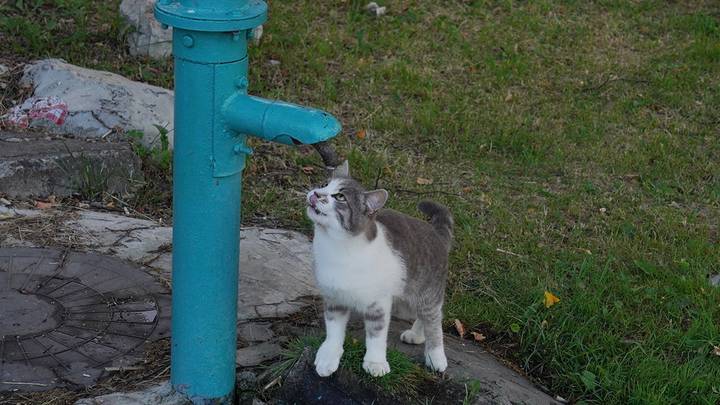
(367, 258)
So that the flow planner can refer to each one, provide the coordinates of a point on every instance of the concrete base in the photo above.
(33, 164)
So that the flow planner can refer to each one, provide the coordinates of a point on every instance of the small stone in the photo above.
(253, 355)
(274, 62)
(13, 140)
(3, 69)
(715, 280)
(5, 202)
(6, 213)
(255, 332)
(246, 381)
(374, 9)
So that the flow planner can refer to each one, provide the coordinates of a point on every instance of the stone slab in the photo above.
(254, 355)
(33, 164)
(162, 394)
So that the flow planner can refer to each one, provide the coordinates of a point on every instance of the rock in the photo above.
(148, 37)
(374, 9)
(714, 280)
(276, 276)
(252, 356)
(40, 167)
(246, 381)
(4, 69)
(252, 332)
(158, 395)
(6, 213)
(101, 101)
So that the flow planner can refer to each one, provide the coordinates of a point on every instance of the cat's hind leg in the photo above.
(377, 323)
(328, 355)
(414, 335)
(431, 318)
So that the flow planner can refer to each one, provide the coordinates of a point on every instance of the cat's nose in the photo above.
(314, 199)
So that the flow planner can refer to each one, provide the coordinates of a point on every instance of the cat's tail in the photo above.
(440, 218)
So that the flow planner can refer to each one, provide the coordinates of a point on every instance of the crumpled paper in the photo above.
(49, 108)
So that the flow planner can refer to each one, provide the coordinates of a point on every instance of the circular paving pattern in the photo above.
(67, 316)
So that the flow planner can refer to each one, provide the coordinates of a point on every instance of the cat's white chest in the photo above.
(356, 272)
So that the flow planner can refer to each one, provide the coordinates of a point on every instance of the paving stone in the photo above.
(252, 356)
(99, 101)
(276, 276)
(38, 166)
(158, 395)
(255, 332)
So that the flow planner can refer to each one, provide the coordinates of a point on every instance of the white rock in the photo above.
(4, 69)
(148, 37)
(99, 101)
(374, 9)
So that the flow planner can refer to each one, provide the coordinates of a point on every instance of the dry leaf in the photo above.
(361, 134)
(308, 169)
(544, 324)
(423, 181)
(716, 350)
(508, 97)
(550, 299)
(460, 328)
(52, 199)
(467, 189)
(479, 337)
(42, 205)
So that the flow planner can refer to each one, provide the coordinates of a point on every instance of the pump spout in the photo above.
(278, 121)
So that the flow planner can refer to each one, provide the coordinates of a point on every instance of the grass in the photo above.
(575, 142)
(404, 378)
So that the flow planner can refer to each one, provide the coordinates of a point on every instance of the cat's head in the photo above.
(342, 205)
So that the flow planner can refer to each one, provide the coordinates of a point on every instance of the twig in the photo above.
(429, 192)
(23, 383)
(507, 252)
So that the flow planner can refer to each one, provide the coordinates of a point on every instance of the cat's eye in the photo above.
(339, 196)
(324, 185)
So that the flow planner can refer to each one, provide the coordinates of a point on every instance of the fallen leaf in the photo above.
(550, 299)
(544, 324)
(42, 205)
(52, 199)
(508, 97)
(716, 350)
(479, 337)
(361, 134)
(423, 181)
(308, 169)
(460, 328)
(467, 189)
(514, 328)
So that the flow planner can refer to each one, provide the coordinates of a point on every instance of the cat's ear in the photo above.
(375, 199)
(342, 170)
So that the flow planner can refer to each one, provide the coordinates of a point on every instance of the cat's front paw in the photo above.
(327, 359)
(411, 337)
(435, 359)
(376, 369)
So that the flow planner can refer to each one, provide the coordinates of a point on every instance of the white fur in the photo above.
(353, 272)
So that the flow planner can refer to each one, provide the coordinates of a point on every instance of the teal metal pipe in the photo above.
(213, 117)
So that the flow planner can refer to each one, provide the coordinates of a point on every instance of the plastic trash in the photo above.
(51, 108)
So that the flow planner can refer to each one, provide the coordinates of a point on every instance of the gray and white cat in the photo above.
(366, 259)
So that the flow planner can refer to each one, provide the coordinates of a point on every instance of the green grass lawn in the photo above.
(576, 142)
